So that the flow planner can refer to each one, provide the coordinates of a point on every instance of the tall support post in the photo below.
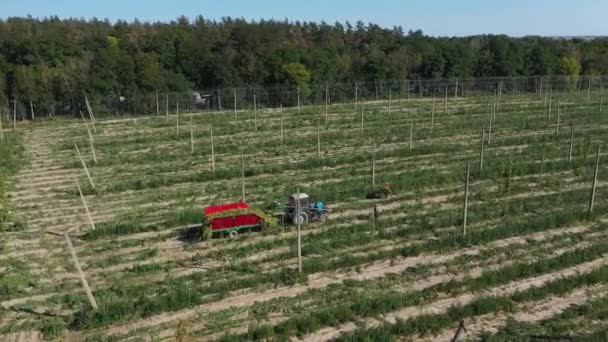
(589, 90)
(362, 115)
(550, 107)
(374, 166)
(177, 107)
(299, 110)
(83, 279)
(157, 105)
(281, 125)
(299, 231)
(255, 113)
(558, 117)
(91, 143)
(481, 153)
(32, 110)
(356, 95)
(433, 115)
(177, 127)
(166, 106)
(14, 113)
(390, 98)
(191, 137)
(318, 138)
(90, 111)
(411, 145)
(456, 90)
(446, 99)
(594, 186)
(212, 152)
(490, 130)
(571, 141)
(326, 104)
(86, 170)
(234, 99)
(219, 100)
(1, 127)
(242, 177)
(86, 207)
(466, 200)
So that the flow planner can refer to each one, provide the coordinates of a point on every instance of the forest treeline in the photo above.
(45, 61)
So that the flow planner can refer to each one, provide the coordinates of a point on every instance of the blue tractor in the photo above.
(301, 209)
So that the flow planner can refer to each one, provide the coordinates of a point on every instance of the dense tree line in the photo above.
(50, 60)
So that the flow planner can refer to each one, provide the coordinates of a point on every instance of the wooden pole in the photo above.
(318, 138)
(281, 112)
(86, 170)
(433, 115)
(374, 167)
(356, 95)
(90, 111)
(212, 152)
(327, 104)
(86, 207)
(490, 130)
(32, 110)
(177, 127)
(234, 95)
(191, 137)
(481, 153)
(157, 105)
(446, 99)
(571, 141)
(589, 90)
(166, 106)
(411, 147)
(390, 98)
(83, 279)
(219, 100)
(242, 177)
(558, 117)
(456, 90)
(255, 113)
(91, 143)
(14, 113)
(298, 100)
(299, 231)
(594, 186)
(550, 107)
(466, 201)
(362, 115)
(1, 128)
(177, 107)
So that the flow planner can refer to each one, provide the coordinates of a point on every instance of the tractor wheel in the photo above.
(323, 218)
(233, 234)
(300, 218)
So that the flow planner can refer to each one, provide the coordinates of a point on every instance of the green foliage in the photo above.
(11, 155)
(49, 60)
(15, 279)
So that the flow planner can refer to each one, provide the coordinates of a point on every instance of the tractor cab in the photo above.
(301, 209)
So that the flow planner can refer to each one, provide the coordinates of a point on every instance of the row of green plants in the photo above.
(431, 324)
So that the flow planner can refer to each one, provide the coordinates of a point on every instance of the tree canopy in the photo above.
(50, 59)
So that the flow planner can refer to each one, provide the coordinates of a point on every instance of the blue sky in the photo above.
(434, 17)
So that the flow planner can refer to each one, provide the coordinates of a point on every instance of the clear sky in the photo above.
(434, 17)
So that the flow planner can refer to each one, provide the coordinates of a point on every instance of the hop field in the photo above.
(531, 260)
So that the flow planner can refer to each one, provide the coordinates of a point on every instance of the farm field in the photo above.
(532, 260)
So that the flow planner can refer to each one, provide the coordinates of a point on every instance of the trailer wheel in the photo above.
(323, 218)
(233, 234)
